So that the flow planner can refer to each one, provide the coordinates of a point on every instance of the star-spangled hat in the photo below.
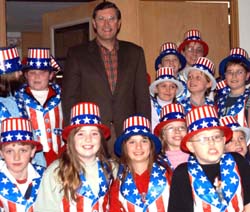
(38, 59)
(85, 114)
(55, 65)
(165, 74)
(235, 54)
(15, 130)
(203, 118)
(167, 49)
(169, 113)
(206, 66)
(232, 123)
(9, 60)
(193, 35)
(136, 125)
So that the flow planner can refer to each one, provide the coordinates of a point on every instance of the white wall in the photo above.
(244, 24)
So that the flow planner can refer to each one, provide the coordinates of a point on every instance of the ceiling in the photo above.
(26, 16)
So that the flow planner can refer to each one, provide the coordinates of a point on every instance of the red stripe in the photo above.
(206, 207)
(12, 207)
(79, 204)
(160, 204)
(131, 207)
(66, 205)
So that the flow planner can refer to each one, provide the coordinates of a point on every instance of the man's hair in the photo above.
(106, 5)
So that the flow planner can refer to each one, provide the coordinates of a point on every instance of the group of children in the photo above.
(192, 157)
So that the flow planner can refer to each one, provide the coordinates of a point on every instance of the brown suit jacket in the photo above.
(85, 79)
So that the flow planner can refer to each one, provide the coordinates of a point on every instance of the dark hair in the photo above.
(236, 61)
(106, 5)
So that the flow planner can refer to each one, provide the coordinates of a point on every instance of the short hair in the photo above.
(106, 5)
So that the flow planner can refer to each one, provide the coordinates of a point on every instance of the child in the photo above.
(171, 130)
(10, 73)
(200, 82)
(19, 179)
(170, 57)
(241, 135)
(192, 48)
(79, 180)
(211, 180)
(43, 102)
(142, 183)
(235, 69)
(163, 91)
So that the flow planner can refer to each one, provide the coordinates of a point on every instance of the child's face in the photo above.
(236, 77)
(197, 82)
(87, 143)
(38, 79)
(166, 91)
(238, 143)
(173, 133)
(138, 149)
(192, 52)
(17, 156)
(207, 146)
(173, 61)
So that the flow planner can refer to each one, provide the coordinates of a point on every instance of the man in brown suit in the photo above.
(108, 72)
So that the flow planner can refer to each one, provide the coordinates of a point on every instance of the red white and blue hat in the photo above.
(55, 65)
(167, 49)
(15, 130)
(193, 35)
(136, 125)
(9, 60)
(165, 74)
(38, 59)
(232, 123)
(235, 54)
(85, 114)
(169, 113)
(203, 118)
(206, 66)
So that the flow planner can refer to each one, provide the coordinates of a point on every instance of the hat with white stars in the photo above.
(169, 113)
(200, 119)
(19, 130)
(231, 122)
(236, 54)
(85, 114)
(9, 60)
(136, 125)
(38, 59)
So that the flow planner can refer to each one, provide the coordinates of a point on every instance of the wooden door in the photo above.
(167, 21)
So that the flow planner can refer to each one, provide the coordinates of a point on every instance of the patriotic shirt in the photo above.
(12, 197)
(130, 199)
(194, 185)
(51, 197)
(186, 103)
(47, 120)
(237, 109)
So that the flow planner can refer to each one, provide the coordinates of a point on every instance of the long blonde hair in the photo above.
(70, 167)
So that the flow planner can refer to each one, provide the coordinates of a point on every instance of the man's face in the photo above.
(106, 24)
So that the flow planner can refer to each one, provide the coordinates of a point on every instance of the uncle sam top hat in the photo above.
(169, 113)
(9, 60)
(38, 59)
(193, 35)
(136, 125)
(203, 118)
(231, 122)
(167, 49)
(85, 114)
(206, 66)
(235, 54)
(15, 130)
(165, 74)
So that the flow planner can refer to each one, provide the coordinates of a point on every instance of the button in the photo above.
(49, 130)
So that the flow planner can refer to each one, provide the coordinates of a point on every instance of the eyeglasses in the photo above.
(110, 19)
(174, 129)
(205, 139)
(193, 50)
(236, 73)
